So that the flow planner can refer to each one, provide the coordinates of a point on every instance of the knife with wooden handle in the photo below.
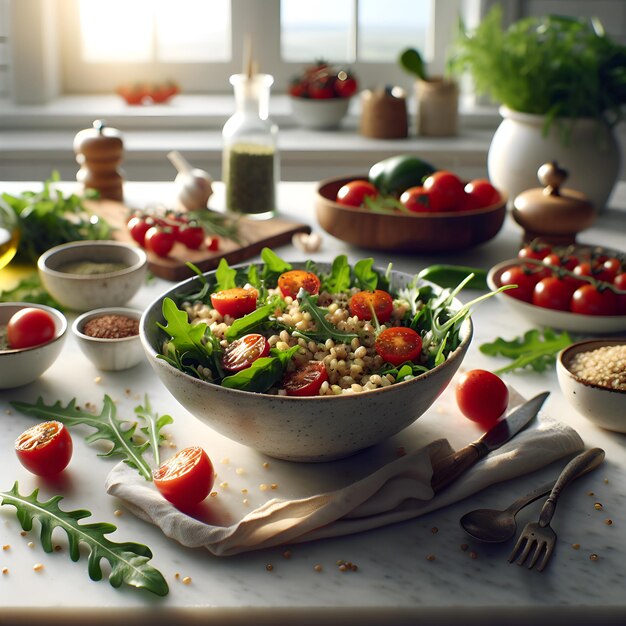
(451, 467)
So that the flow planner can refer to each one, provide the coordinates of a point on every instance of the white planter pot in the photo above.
(591, 155)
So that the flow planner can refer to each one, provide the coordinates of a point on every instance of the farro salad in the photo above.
(270, 328)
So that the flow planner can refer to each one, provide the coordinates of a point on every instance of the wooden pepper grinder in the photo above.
(99, 152)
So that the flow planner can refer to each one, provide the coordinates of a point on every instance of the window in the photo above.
(99, 44)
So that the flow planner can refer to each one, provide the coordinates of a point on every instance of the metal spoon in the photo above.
(492, 525)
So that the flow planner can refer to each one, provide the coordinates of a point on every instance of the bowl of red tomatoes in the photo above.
(320, 96)
(31, 338)
(441, 214)
(578, 288)
(305, 362)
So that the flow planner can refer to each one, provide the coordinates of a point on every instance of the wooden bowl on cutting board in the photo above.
(405, 232)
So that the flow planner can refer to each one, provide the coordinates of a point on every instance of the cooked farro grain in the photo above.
(605, 367)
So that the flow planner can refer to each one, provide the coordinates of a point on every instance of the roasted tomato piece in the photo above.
(398, 344)
(45, 449)
(307, 380)
(186, 478)
(290, 282)
(241, 353)
(364, 304)
(235, 302)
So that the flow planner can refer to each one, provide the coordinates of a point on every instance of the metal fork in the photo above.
(539, 535)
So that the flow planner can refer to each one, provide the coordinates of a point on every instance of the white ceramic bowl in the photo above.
(573, 322)
(83, 293)
(20, 367)
(319, 114)
(109, 354)
(603, 406)
(318, 428)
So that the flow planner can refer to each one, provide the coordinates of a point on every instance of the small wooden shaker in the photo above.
(99, 151)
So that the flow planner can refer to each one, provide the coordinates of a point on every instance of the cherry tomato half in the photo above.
(30, 327)
(523, 278)
(186, 478)
(482, 397)
(553, 293)
(235, 302)
(160, 240)
(290, 282)
(241, 353)
(445, 190)
(483, 192)
(307, 380)
(364, 304)
(45, 449)
(354, 192)
(398, 344)
(589, 300)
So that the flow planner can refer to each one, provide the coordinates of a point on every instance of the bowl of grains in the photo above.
(303, 361)
(592, 376)
(109, 337)
(33, 343)
(85, 275)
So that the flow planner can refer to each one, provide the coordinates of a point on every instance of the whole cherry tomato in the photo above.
(620, 282)
(307, 380)
(345, 85)
(235, 302)
(417, 200)
(138, 226)
(191, 236)
(482, 397)
(241, 353)
(398, 344)
(186, 478)
(160, 240)
(366, 304)
(534, 251)
(552, 293)
(589, 300)
(354, 193)
(30, 327)
(292, 281)
(45, 449)
(484, 193)
(446, 189)
(613, 266)
(525, 280)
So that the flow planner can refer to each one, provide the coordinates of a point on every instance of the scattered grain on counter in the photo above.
(31, 544)
(6, 546)
(5, 570)
(473, 555)
(594, 557)
(111, 327)
(430, 557)
(464, 547)
(187, 580)
(597, 506)
(38, 567)
(604, 367)
(318, 567)
(269, 567)
(608, 522)
(576, 546)
(118, 512)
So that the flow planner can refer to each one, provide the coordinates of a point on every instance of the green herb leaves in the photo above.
(128, 560)
(535, 350)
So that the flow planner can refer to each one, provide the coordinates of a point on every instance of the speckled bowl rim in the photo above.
(82, 319)
(466, 332)
(54, 312)
(566, 355)
(42, 262)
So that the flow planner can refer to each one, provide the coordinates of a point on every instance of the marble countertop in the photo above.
(398, 581)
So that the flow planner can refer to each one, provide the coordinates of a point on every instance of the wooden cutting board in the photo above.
(254, 235)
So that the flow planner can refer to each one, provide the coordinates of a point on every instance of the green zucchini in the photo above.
(396, 174)
(449, 276)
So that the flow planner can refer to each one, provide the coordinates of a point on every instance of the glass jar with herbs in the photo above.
(250, 155)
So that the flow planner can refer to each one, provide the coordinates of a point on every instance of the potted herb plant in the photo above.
(561, 84)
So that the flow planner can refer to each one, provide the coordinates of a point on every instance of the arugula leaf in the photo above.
(365, 277)
(273, 267)
(324, 328)
(263, 373)
(106, 426)
(535, 349)
(338, 281)
(154, 423)
(225, 276)
(128, 560)
(252, 321)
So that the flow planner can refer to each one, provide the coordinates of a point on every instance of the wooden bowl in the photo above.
(402, 232)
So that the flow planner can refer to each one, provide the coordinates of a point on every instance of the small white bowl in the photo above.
(85, 292)
(319, 114)
(109, 354)
(23, 366)
(601, 405)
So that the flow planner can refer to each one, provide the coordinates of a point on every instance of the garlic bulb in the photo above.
(192, 184)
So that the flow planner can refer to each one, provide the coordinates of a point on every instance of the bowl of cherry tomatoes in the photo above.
(442, 214)
(31, 338)
(320, 96)
(577, 288)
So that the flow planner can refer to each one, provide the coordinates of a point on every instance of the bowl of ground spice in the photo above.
(109, 337)
(592, 376)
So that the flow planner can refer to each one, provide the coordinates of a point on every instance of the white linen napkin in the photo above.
(397, 490)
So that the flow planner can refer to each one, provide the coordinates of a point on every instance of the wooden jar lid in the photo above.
(384, 113)
(552, 213)
(99, 142)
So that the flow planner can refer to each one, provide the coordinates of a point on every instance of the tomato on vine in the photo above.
(525, 280)
(552, 293)
(592, 300)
